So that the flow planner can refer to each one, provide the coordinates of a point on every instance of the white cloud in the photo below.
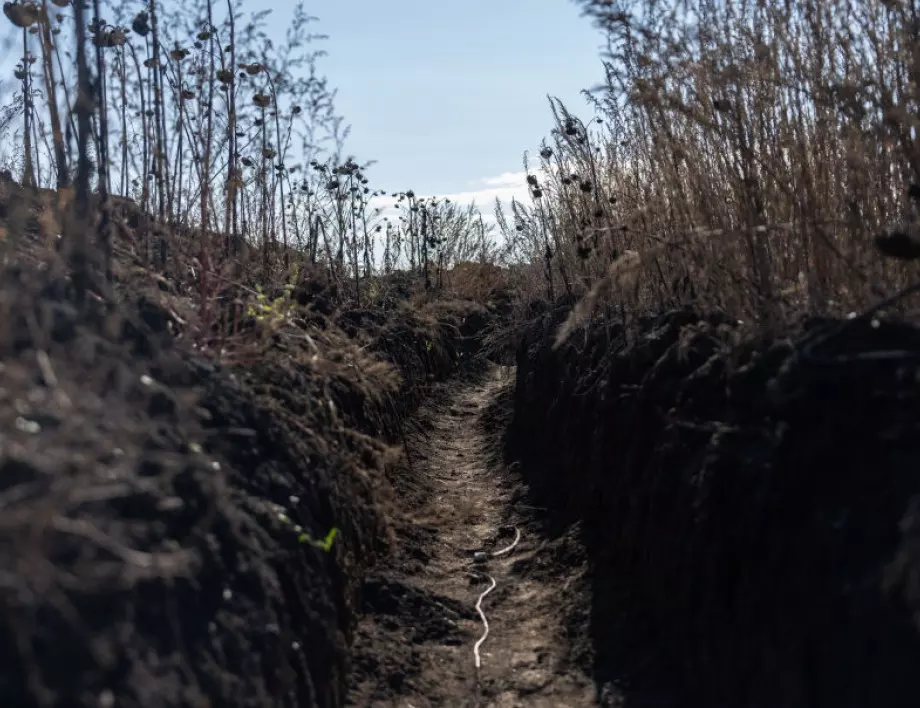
(482, 193)
(503, 180)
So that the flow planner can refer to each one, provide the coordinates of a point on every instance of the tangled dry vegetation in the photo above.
(752, 156)
(225, 148)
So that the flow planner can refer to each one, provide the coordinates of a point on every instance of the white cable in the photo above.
(482, 615)
(508, 549)
(485, 622)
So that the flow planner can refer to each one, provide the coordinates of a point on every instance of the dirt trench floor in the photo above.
(465, 522)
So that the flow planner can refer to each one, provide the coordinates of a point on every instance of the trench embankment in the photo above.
(750, 504)
(179, 533)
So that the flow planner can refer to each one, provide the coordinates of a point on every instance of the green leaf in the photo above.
(324, 545)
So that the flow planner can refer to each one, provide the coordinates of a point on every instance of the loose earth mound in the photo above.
(177, 533)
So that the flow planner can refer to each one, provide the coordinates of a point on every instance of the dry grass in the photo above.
(758, 155)
(228, 142)
(752, 156)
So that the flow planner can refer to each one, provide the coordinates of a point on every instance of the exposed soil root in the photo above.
(465, 528)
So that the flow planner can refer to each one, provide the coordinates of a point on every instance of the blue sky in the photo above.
(444, 94)
(447, 94)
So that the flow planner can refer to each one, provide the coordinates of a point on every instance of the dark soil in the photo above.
(163, 517)
(749, 504)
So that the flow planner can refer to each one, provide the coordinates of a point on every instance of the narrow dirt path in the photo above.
(468, 535)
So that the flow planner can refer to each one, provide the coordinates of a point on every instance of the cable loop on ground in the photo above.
(485, 622)
(482, 615)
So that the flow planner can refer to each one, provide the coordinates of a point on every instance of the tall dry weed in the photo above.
(228, 140)
(760, 154)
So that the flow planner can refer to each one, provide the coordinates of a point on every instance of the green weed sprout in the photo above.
(324, 544)
(274, 312)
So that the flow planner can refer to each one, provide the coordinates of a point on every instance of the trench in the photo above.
(468, 538)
